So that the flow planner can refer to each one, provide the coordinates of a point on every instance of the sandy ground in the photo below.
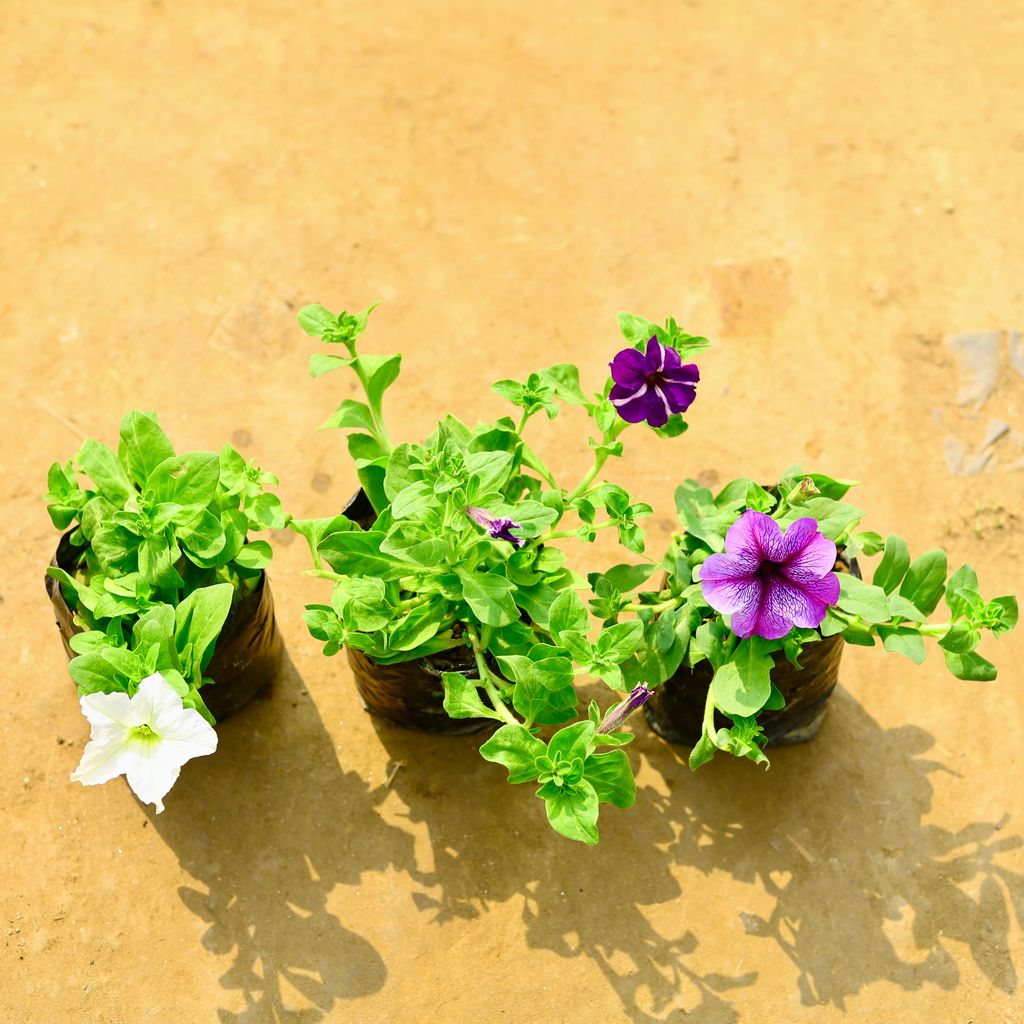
(832, 191)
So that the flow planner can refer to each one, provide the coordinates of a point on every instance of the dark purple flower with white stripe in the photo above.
(499, 529)
(652, 385)
(770, 581)
(638, 696)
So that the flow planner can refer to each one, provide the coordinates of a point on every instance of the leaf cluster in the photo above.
(681, 630)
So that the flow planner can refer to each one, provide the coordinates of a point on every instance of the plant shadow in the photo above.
(832, 841)
(269, 826)
(577, 901)
(859, 888)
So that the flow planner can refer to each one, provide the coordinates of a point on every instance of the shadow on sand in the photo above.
(835, 862)
(269, 826)
(833, 839)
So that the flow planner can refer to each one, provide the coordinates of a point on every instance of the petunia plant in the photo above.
(153, 525)
(155, 558)
(460, 553)
(760, 574)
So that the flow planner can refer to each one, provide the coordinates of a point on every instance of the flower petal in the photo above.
(634, 406)
(680, 396)
(103, 708)
(656, 355)
(824, 589)
(149, 772)
(729, 584)
(104, 756)
(806, 553)
(629, 367)
(660, 407)
(754, 534)
(686, 374)
(744, 620)
(784, 606)
(672, 360)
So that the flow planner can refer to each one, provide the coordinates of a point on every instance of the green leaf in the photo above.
(92, 673)
(962, 591)
(625, 578)
(157, 556)
(87, 597)
(143, 445)
(324, 362)
(1008, 613)
(413, 500)
(255, 555)
(515, 747)
(926, 580)
(612, 778)
(350, 414)
(742, 685)
(462, 698)
(971, 666)
(894, 564)
(267, 512)
(834, 517)
(489, 597)
(317, 320)
(198, 621)
(358, 553)
(564, 379)
(865, 540)
(574, 741)
(961, 638)
(490, 468)
(381, 373)
(190, 479)
(545, 690)
(115, 548)
(636, 328)
(905, 609)
(703, 752)
(103, 467)
(572, 812)
(863, 599)
(568, 612)
(619, 642)
(904, 640)
(362, 604)
(205, 537)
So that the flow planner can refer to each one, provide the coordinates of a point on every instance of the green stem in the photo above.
(662, 606)
(522, 422)
(709, 717)
(599, 460)
(568, 533)
(485, 677)
(379, 430)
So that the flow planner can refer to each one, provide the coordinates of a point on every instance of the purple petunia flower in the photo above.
(639, 696)
(770, 581)
(499, 529)
(652, 385)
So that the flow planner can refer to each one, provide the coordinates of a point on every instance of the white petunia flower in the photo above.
(147, 738)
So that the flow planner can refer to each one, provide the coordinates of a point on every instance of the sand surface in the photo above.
(831, 191)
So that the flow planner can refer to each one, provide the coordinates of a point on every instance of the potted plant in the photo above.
(451, 594)
(158, 592)
(759, 593)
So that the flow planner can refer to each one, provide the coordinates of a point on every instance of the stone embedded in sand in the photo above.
(1015, 343)
(955, 452)
(979, 362)
(996, 430)
(976, 463)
